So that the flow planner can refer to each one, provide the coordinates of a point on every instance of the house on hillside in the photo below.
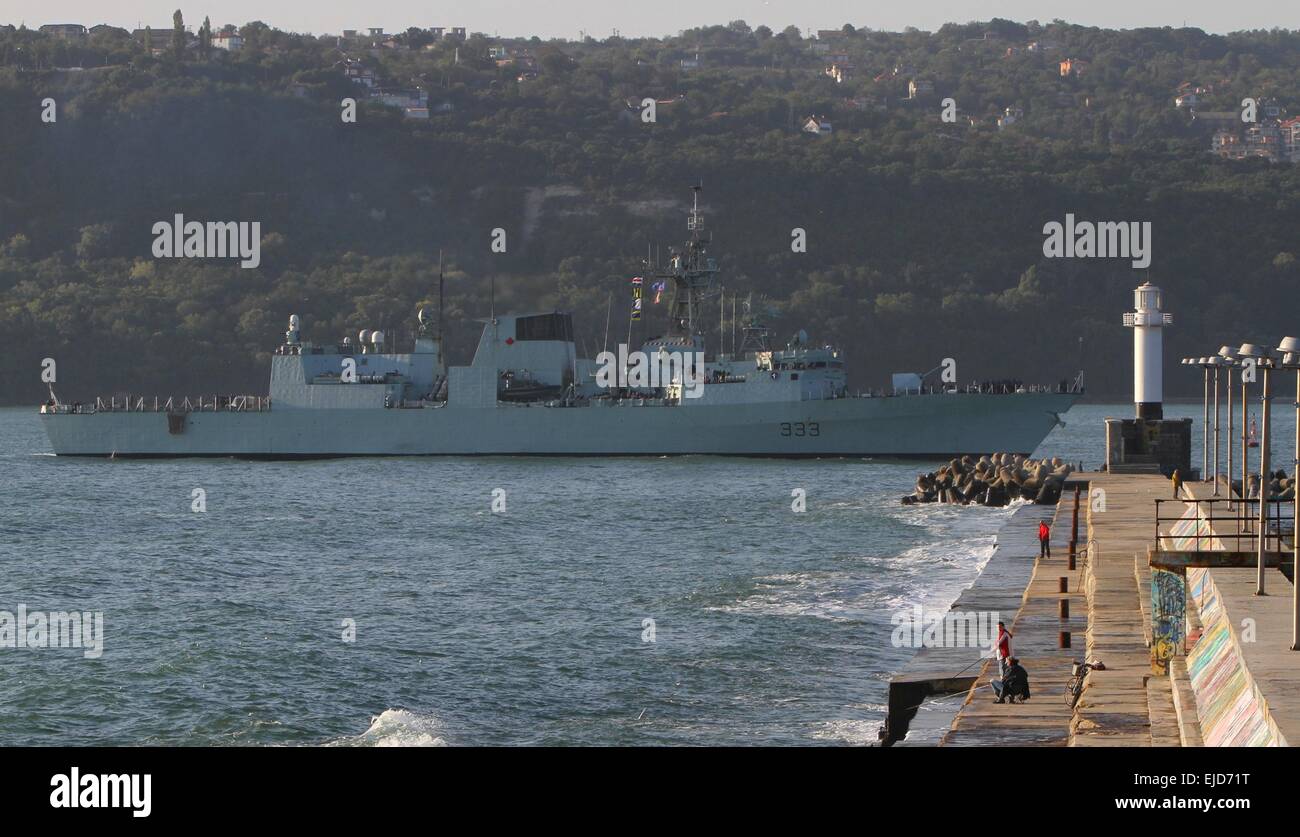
(413, 102)
(157, 33)
(1187, 100)
(1226, 144)
(1075, 67)
(919, 88)
(818, 125)
(1010, 116)
(229, 41)
(840, 72)
(1264, 139)
(64, 31)
(356, 72)
(1291, 139)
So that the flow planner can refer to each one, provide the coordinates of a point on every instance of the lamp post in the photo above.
(1229, 360)
(1263, 362)
(1188, 361)
(1216, 362)
(1245, 437)
(1204, 363)
(1290, 348)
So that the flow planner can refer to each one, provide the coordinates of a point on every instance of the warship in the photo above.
(526, 392)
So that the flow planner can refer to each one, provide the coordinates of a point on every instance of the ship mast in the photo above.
(692, 274)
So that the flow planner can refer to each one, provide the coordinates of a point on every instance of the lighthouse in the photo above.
(1147, 322)
(1148, 442)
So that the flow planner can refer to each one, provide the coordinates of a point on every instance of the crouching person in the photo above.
(1014, 684)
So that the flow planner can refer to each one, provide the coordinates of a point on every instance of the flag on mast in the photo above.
(636, 297)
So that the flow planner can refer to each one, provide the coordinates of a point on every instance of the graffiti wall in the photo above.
(1231, 709)
(1190, 533)
(1168, 617)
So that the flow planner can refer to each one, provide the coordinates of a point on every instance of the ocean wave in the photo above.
(930, 574)
(398, 728)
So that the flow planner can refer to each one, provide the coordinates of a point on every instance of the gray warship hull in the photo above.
(936, 425)
(528, 393)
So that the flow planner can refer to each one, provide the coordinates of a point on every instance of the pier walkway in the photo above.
(1121, 706)
(1124, 705)
(1238, 690)
(1035, 624)
(1000, 588)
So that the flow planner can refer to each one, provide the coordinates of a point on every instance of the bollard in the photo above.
(1063, 640)
(1063, 608)
(1074, 529)
(1064, 584)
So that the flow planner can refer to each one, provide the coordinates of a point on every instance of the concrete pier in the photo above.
(1121, 706)
(1036, 626)
(931, 672)
(1223, 685)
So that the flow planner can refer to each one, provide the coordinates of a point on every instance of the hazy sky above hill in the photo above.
(599, 18)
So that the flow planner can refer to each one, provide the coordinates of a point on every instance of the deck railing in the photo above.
(157, 404)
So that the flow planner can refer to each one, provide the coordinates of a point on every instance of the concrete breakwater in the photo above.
(993, 480)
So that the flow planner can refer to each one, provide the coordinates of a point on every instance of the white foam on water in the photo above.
(931, 574)
(398, 728)
(853, 732)
(826, 595)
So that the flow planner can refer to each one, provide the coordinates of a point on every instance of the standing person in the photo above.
(1177, 480)
(1044, 540)
(1002, 649)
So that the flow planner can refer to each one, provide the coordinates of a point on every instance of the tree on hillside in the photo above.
(178, 35)
(205, 38)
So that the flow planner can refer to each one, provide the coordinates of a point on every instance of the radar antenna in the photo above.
(692, 274)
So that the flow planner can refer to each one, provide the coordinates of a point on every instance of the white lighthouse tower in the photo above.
(1147, 322)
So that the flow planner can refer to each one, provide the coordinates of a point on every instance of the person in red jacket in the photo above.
(1044, 540)
(1002, 649)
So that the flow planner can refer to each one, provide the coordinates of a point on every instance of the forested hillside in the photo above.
(924, 237)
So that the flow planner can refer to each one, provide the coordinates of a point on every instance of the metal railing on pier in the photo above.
(1224, 524)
